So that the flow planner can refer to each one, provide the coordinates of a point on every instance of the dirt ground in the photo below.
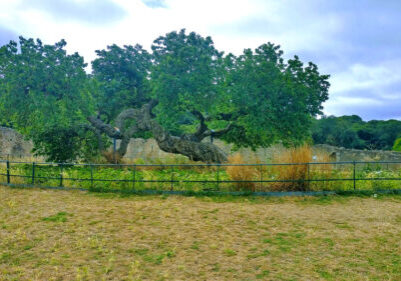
(72, 235)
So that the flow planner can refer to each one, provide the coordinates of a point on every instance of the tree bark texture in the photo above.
(189, 145)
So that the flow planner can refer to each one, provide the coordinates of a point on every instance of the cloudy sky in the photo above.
(357, 42)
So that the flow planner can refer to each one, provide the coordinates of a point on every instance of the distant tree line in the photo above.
(353, 132)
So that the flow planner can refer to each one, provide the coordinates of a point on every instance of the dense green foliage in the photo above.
(271, 100)
(397, 145)
(353, 132)
(121, 77)
(262, 99)
(185, 77)
(44, 95)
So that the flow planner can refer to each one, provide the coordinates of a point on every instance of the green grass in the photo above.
(59, 217)
(140, 178)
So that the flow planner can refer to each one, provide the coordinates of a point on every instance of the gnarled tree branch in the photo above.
(98, 134)
(127, 135)
(203, 130)
(105, 128)
(143, 118)
(217, 133)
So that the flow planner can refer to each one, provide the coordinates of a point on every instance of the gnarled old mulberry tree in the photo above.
(184, 91)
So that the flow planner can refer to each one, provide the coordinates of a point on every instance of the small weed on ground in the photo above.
(59, 217)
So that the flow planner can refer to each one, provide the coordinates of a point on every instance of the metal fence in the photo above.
(256, 178)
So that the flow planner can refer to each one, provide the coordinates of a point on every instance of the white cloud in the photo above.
(331, 34)
(360, 76)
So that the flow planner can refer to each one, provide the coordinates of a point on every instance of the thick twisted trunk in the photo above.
(197, 151)
(188, 145)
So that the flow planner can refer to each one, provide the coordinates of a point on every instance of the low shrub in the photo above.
(294, 175)
(241, 173)
(112, 157)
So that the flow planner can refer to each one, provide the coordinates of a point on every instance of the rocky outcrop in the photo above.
(13, 144)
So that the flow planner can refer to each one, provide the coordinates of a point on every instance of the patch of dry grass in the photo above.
(241, 173)
(302, 154)
(297, 174)
(59, 235)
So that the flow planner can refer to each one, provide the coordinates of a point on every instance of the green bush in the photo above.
(397, 145)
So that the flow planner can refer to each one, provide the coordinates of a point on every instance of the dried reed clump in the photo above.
(241, 173)
(295, 173)
(322, 170)
(113, 158)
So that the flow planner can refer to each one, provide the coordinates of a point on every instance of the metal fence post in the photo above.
(61, 175)
(172, 178)
(308, 178)
(8, 172)
(133, 177)
(33, 172)
(91, 176)
(218, 177)
(354, 176)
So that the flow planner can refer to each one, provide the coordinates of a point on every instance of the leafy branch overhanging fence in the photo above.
(251, 178)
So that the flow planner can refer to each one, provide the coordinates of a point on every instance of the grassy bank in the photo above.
(59, 235)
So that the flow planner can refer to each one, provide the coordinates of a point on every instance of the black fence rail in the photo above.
(255, 178)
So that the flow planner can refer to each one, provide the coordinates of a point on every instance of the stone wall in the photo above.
(12, 144)
(341, 154)
(148, 149)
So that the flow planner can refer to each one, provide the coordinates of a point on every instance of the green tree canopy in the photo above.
(353, 132)
(397, 145)
(180, 93)
(121, 75)
(269, 100)
(44, 95)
